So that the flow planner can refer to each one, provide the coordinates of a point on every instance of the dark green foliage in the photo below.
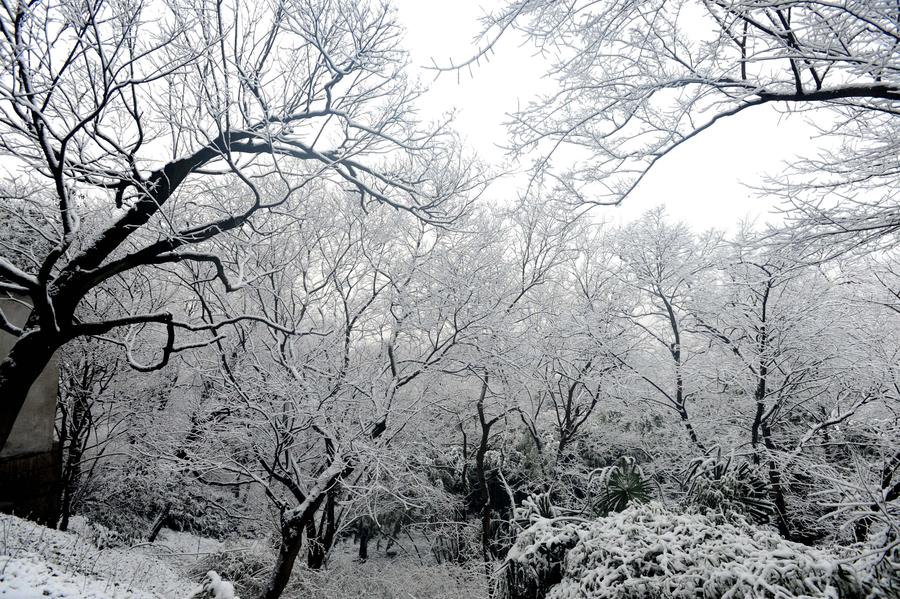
(728, 487)
(622, 485)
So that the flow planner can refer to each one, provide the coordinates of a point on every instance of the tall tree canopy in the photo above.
(637, 79)
(136, 136)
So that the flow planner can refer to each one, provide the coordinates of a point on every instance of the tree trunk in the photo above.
(315, 553)
(485, 493)
(158, 523)
(363, 539)
(73, 476)
(776, 487)
(80, 429)
(321, 540)
(758, 419)
(291, 540)
(18, 371)
(481, 474)
(888, 493)
(761, 391)
(675, 352)
(689, 427)
(777, 491)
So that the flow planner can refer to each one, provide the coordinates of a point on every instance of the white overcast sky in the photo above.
(701, 183)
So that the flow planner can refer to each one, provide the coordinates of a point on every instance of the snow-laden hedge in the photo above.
(649, 552)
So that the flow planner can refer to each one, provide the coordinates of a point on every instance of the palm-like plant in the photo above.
(534, 507)
(718, 483)
(621, 485)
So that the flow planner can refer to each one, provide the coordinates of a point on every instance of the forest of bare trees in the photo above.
(283, 307)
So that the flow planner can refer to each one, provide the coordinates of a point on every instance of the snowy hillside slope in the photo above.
(29, 577)
(36, 561)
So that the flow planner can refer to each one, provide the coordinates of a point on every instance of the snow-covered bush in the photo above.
(881, 560)
(648, 552)
(535, 506)
(128, 498)
(105, 538)
(213, 586)
(534, 563)
(247, 570)
(723, 485)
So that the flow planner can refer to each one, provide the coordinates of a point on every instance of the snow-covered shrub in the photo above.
(648, 552)
(723, 485)
(128, 498)
(881, 560)
(106, 538)
(247, 570)
(213, 586)
(535, 506)
(534, 563)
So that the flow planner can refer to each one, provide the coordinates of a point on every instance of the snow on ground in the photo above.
(90, 562)
(70, 565)
(28, 577)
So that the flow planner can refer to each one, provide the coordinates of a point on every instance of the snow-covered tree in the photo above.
(665, 264)
(135, 135)
(636, 80)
